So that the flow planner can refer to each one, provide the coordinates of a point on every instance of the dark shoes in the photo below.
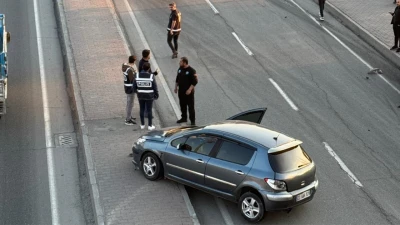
(181, 121)
(193, 124)
(398, 50)
(393, 48)
(130, 122)
(175, 55)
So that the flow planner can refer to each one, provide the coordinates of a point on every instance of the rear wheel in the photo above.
(251, 207)
(151, 166)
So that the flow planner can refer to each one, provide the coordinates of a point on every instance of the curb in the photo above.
(378, 45)
(76, 102)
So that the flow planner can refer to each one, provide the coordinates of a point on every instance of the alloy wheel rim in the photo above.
(149, 166)
(250, 207)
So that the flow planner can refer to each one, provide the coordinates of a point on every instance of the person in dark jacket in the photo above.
(396, 26)
(146, 89)
(186, 80)
(145, 58)
(129, 72)
(174, 28)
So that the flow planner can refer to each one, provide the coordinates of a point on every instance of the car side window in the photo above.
(233, 152)
(201, 144)
(178, 141)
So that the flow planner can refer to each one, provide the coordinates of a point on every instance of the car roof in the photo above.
(251, 131)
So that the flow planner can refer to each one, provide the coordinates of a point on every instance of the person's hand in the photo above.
(176, 90)
(155, 73)
(155, 96)
(170, 32)
(188, 92)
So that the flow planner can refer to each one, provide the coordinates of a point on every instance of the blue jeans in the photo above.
(148, 106)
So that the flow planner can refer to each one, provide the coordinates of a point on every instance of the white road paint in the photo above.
(342, 165)
(172, 101)
(212, 7)
(344, 45)
(224, 211)
(294, 107)
(242, 44)
(47, 122)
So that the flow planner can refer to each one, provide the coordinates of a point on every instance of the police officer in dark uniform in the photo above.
(396, 27)
(146, 89)
(174, 28)
(186, 80)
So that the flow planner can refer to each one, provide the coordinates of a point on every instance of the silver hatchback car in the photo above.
(237, 159)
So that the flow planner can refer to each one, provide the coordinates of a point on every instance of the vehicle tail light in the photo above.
(276, 184)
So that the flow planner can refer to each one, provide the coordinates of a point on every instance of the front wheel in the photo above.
(151, 166)
(251, 207)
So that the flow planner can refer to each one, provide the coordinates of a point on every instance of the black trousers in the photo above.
(187, 101)
(396, 31)
(175, 36)
(321, 7)
(148, 105)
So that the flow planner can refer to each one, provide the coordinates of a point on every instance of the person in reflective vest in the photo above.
(129, 72)
(146, 88)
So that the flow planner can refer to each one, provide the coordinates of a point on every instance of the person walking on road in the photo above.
(396, 26)
(186, 80)
(321, 9)
(146, 89)
(174, 28)
(129, 72)
(145, 59)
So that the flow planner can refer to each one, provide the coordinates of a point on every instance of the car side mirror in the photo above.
(179, 147)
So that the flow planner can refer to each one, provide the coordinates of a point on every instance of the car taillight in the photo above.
(276, 184)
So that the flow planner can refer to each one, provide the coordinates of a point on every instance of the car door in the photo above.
(254, 115)
(229, 165)
(187, 157)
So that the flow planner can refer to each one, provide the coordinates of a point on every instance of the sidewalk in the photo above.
(370, 19)
(94, 52)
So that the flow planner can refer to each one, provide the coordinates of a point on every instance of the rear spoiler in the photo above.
(285, 146)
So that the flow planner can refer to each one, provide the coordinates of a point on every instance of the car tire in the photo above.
(151, 166)
(251, 207)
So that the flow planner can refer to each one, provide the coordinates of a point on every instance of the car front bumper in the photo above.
(287, 200)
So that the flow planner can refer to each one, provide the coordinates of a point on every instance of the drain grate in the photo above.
(65, 140)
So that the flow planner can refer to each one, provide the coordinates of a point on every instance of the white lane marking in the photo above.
(294, 107)
(172, 101)
(212, 7)
(224, 211)
(115, 18)
(153, 61)
(241, 43)
(47, 123)
(344, 45)
(342, 165)
(390, 84)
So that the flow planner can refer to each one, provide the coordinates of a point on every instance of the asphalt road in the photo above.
(24, 175)
(337, 102)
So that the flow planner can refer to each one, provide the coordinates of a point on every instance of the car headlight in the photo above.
(276, 184)
(140, 141)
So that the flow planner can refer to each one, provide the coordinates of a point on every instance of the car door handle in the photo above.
(239, 172)
(199, 161)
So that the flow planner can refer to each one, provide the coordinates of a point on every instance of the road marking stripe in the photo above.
(47, 122)
(172, 101)
(342, 165)
(294, 107)
(344, 45)
(212, 7)
(241, 43)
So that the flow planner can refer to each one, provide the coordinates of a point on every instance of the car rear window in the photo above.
(289, 160)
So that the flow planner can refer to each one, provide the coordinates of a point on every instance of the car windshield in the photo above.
(289, 160)
(175, 130)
